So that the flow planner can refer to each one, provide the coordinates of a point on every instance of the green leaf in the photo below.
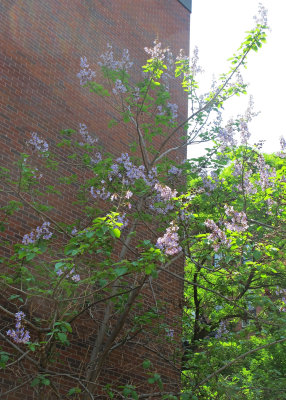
(117, 233)
(74, 390)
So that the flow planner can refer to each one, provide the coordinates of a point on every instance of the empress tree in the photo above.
(98, 276)
(235, 275)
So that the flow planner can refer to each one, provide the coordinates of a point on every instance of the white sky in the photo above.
(218, 27)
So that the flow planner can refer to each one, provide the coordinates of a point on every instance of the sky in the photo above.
(218, 27)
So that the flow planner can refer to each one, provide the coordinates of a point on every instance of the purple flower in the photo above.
(38, 233)
(166, 193)
(222, 330)
(128, 194)
(119, 87)
(109, 62)
(86, 137)
(74, 231)
(238, 220)
(131, 172)
(156, 52)
(101, 193)
(170, 332)
(174, 171)
(171, 110)
(85, 74)
(169, 242)
(217, 237)
(39, 144)
(96, 159)
(121, 219)
(19, 335)
(75, 278)
(267, 174)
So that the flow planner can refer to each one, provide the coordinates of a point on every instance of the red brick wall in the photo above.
(41, 44)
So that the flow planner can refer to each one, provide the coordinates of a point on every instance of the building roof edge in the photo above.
(187, 4)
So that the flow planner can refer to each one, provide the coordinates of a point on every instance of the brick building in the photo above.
(41, 45)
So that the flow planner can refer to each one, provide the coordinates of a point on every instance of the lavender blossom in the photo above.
(131, 172)
(266, 173)
(19, 335)
(39, 144)
(222, 330)
(170, 332)
(96, 159)
(165, 192)
(109, 62)
(86, 137)
(217, 237)
(246, 186)
(119, 87)
(122, 220)
(101, 193)
(261, 19)
(71, 274)
(238, 220)
(85, 74)
(283, 143)
(74, 231)
(175, 171)
(244, 132)
(156, 52)
(194, 67)
(169, 243)
(128, 194)
(171, 109)
(75, 278)
(226, 136)
(38, 233)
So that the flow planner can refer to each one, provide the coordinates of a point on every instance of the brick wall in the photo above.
(41, 44)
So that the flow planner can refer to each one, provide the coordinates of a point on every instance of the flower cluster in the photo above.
(238, 219)
(195, 67)
(222, 330)
(262, 16)
(266, 174)
(166, 193)
(121, 219)
(119, 87)
(85, 135)
(172, 111)
(282, 293)
(74, 277)
(38, 233)
(217, 237)
(131, 172)
(156, 52)
(246, 186)
(85, 74)
(244, 132)
(210, 183)
(226, 136)
(174, 171)
(170, 71)
(96, 159)
(39, 144)
(101, 193)
(19, 334)
(109, 62)
(170, 332)
(169, 243)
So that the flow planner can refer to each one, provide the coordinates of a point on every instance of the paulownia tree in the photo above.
(98, 275)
